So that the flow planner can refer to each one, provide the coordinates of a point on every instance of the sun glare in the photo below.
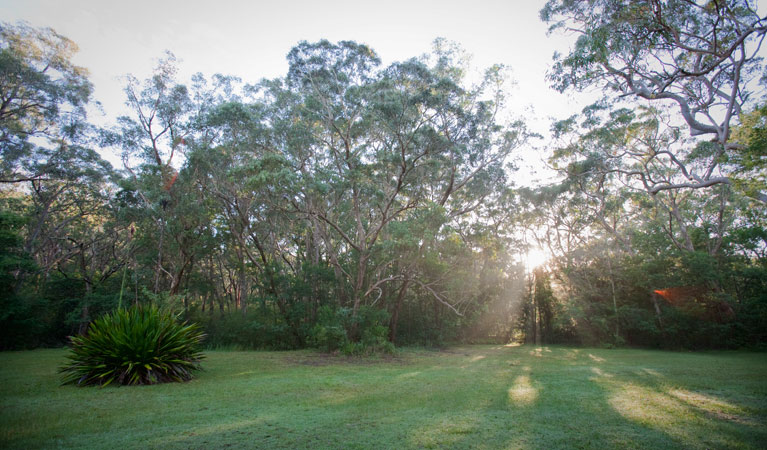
(536, 257)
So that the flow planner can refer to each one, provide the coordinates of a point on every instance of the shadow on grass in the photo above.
(492, 398)
(474, 397)
(595, 404)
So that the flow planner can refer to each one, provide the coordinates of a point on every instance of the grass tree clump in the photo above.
(138, 345)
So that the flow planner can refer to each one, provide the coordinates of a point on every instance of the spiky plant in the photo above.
(138, 345)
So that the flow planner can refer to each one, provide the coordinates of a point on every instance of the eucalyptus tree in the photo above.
(48, 168)
(750, 159)
(245, 176)
(384, 143)
(640, 240)
(152, 141)
(668, 69)
(611, 161)
(43, 100)
(44, 135)
(702, 58)
(617, 160)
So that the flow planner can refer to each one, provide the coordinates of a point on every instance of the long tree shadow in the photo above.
(478, 397)
(584, 401)
(496, 398)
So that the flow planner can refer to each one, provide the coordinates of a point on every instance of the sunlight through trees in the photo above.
(350, 205)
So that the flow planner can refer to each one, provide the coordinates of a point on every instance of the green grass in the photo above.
(477, 397)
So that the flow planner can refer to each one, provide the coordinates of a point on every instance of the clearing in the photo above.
(475, 397)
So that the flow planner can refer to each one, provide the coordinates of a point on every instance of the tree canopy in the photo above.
(702, 58)
(350, 205)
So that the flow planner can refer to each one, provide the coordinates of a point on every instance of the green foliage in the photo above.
(44, 97)
(164, 300)
(96, 304)
(14, 261)
(138, 345)
(19, 325)
(750, 156)
(371, 323)
(347, 203)
(256, 330)
(330, 332)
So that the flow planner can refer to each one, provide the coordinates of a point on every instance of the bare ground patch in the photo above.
(330, 359)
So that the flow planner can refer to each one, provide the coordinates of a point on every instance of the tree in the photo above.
(47, 165)
(614, 158)
(154, 137)
(750, 157)
(44, 134)
(43, 99)
(701, 57)
(383, 144)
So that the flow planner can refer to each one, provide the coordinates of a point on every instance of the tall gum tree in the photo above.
(43, 100)
(701, 57)
(384, 142)
(47, 164)
(614, 158)
(151, 141)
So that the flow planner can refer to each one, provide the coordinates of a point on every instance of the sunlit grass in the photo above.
(522, 391)
(467, 397)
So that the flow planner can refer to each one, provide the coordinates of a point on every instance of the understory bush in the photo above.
(138, 345)
(331, 332)
(253, 331)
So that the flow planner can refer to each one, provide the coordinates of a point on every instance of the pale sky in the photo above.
(250, 39)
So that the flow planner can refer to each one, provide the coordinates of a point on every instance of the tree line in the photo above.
(352, 206)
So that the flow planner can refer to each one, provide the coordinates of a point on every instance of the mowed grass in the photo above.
(466, 397)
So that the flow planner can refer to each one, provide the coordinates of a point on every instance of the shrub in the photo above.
(329, 333)
(258, 330)
(139, 345)
(375, 333)
(374, 340)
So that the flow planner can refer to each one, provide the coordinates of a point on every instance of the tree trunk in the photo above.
(358, 294)
(395, 312)
(654, 297)
(615, 301)
(536, 310)
(158, 269)
(530, 325)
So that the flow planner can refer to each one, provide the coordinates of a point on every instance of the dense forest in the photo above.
(354, 206)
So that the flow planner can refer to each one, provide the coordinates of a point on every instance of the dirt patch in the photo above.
(720, 415)
(330, 359)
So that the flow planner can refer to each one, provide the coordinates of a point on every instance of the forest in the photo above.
(354, 206)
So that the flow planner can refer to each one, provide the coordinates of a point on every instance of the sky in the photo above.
(250, 39)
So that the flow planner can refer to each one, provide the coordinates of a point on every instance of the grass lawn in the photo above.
(476, 397)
